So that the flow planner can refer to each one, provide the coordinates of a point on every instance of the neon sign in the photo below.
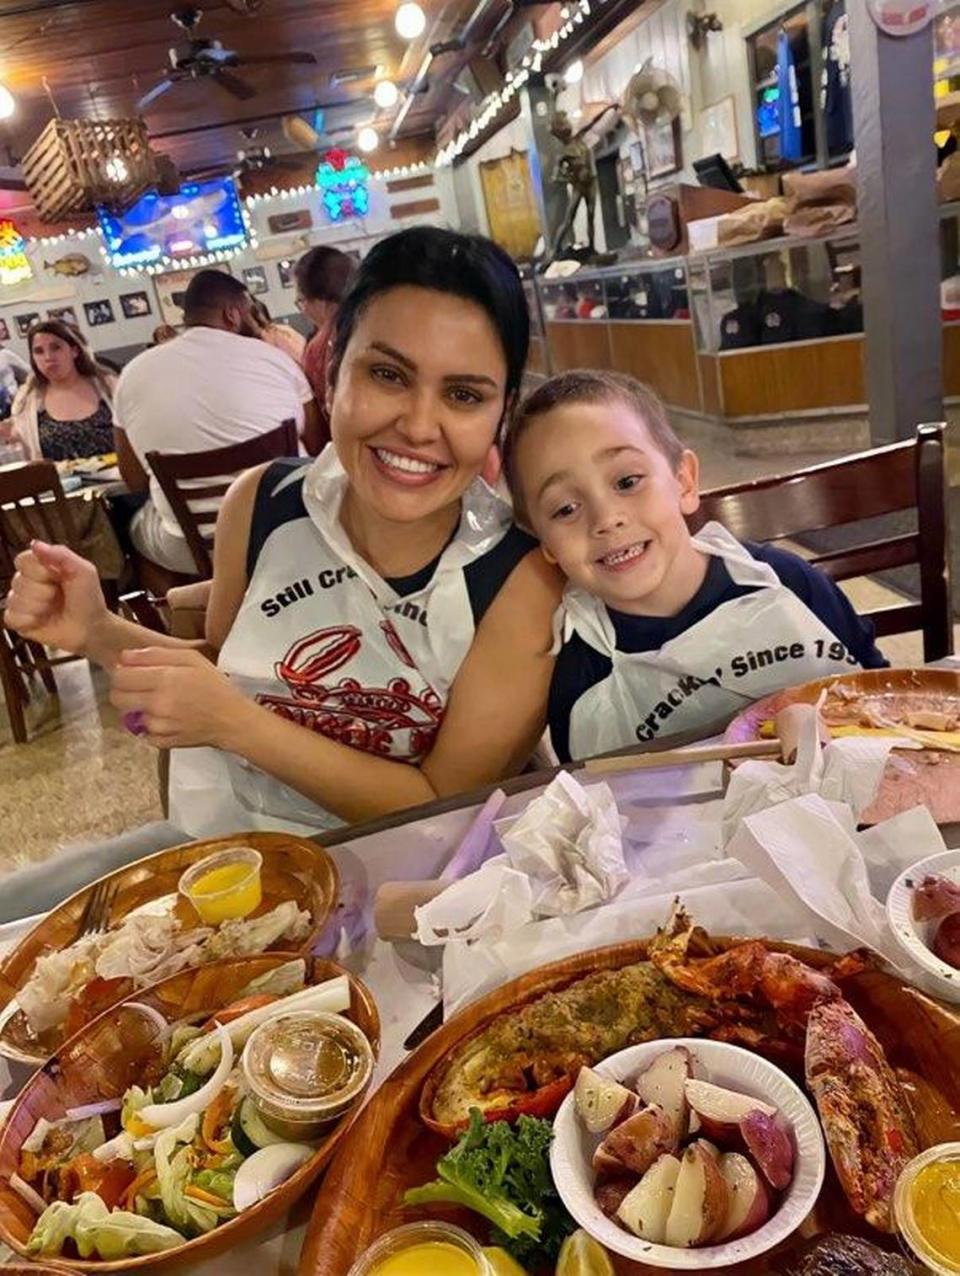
(14, 266)
(342, 181)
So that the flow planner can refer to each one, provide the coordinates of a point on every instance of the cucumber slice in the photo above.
(248, 1131)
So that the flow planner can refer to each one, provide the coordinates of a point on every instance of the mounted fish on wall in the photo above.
(73, 264)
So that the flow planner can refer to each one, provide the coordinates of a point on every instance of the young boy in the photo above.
(661, 631)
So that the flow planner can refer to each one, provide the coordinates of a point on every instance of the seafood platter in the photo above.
(677, 1104)
(206, 901)
(920, 706)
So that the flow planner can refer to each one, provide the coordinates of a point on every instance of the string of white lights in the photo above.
(298, 192)
(492, 105)
(43, 240)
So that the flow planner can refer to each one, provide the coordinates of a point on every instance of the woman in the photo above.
(322, 276)
(279, 335)
(378, 596)
(64, 410)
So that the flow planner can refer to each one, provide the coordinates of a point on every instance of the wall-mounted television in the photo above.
(202, 217)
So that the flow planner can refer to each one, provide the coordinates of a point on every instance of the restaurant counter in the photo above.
(740, 335)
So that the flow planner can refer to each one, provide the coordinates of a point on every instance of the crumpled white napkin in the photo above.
(845, 771)
(562, 855)
(809, 852)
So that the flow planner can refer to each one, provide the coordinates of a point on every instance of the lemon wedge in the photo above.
(502, 1263)
(581, 1255)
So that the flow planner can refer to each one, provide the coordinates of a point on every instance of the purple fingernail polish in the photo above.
(134, 722)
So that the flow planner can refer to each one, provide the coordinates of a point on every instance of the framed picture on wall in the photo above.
(66, 314)
(98, 313)
(25, 322)
(255, 277)
(718, 129)
(662, 146)
(285, 271)
(135, 305)
(4, 330)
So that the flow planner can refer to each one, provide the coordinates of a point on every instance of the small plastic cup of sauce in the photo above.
(417, 1249)
(926, 1208)
(224, 885)
(306, 1069)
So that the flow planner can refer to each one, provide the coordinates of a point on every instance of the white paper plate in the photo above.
(724, 1065)
(915, 938)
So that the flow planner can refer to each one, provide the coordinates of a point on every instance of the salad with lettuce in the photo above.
(172, 1159)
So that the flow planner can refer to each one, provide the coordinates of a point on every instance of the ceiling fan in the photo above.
(252, 157)
(200, 57)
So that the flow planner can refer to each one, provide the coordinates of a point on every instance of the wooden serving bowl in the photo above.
(389, 1149)
(96, 1064)
(916, 777)
(293, 868)
(32, 1269)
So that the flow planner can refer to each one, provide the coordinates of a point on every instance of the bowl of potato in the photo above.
(687, 1154)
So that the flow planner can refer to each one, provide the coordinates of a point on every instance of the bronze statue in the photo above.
(576, 171)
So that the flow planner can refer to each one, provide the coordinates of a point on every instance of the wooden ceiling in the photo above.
(96, 58)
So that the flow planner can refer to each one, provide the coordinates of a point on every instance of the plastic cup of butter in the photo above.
(306, 1069)
(416, 1249)
(225, 885)
(929, 1233)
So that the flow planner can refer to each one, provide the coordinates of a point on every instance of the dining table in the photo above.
(671, 819)
(88, 494)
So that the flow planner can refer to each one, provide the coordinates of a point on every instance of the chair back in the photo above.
(888, 480)
(196, 504)
(32, 507)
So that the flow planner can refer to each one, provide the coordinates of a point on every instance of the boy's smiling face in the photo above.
(609, 507)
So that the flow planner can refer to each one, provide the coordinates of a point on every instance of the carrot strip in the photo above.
(216, 1116)
(208, 1198)
(143, 1179)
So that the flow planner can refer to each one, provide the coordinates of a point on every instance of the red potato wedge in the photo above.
(721, 1111)
(700, 1199)
(611, 1192)
(602, 1103)
(769, 1140)
(636, 1143)
(663, 1083)
(749, 1199)
(645, 1210)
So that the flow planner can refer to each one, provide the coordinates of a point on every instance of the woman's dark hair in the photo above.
(467, 266)
(86, 364)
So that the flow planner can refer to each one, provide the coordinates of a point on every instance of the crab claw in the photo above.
(863, 1108)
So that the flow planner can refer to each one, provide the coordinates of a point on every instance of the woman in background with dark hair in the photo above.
(64, 410)
(384, 627)
(322, 276)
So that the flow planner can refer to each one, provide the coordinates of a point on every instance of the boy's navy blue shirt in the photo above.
(580, 666)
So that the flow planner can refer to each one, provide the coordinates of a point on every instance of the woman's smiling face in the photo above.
(417, 401)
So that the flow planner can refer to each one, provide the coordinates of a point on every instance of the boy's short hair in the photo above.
(586, 385)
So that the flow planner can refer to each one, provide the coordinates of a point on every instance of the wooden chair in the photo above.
(196, 507)
(32, 506)
(887, 480)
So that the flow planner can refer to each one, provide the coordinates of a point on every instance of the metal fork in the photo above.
(95, 918)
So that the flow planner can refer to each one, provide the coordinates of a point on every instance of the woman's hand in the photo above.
(55, 598)
(182, 699)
